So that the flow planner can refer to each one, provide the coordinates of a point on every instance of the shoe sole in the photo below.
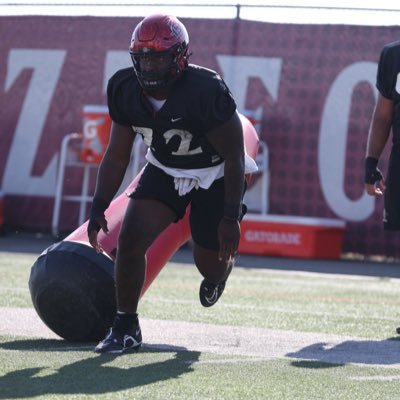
(127, 349)
(209, 301)
(204, 301)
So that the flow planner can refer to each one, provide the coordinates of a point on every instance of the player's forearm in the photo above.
(378, 136)
(110, 176)
(234, 185)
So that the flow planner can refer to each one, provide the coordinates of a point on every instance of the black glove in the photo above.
(372, 173)
(99, 206)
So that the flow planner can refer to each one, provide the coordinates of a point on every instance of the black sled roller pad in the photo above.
(73, 291)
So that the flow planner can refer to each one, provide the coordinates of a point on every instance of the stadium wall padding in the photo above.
(311, 87)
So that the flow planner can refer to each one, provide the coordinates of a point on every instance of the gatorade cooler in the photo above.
(96, 133)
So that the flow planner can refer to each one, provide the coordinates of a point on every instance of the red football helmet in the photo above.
(159, 51)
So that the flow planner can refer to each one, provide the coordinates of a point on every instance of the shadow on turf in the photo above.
(92, 374)
(367, 352)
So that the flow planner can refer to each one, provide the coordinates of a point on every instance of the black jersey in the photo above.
(388, 82)
(198, 102)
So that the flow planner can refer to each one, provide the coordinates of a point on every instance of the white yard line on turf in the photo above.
(233, 340)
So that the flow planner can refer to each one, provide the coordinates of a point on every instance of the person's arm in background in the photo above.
(109, 178)
(227, 140)
(377, 137)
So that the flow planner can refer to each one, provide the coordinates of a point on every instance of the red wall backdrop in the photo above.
(312, 87)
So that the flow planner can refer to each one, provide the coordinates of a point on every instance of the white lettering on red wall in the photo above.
(288, 238)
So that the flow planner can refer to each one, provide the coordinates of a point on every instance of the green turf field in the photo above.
(272, 335)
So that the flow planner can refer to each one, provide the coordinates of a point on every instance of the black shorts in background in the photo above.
(207, 205)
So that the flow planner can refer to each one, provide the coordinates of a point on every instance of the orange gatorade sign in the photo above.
(96, 133)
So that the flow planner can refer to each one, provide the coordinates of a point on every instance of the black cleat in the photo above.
(210, 292)
(120, 340)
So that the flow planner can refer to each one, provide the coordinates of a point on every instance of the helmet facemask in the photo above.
(158, 69)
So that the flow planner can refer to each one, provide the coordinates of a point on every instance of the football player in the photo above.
(386, 116)
(187, 117)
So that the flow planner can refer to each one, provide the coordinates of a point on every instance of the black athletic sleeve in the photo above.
(388, 68)
(217, 104)
(117, 98)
